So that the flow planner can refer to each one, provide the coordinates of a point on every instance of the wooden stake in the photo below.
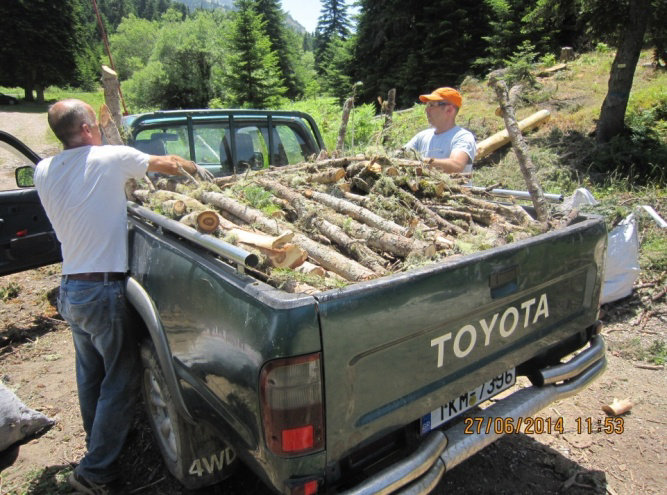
(387, 111)
(520, 149)
(347, 108)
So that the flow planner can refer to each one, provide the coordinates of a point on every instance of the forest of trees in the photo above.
(169, 57)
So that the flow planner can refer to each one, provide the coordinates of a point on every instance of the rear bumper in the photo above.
(443, 449)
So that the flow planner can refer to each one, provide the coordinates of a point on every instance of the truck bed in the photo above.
(393, 349)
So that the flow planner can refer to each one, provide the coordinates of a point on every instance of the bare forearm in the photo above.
(169, 164)
(446, 165)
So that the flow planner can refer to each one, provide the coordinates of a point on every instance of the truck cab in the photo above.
(227, 141)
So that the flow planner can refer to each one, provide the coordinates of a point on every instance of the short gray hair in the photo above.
(66, 117)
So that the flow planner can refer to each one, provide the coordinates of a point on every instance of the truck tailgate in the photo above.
(398, 347)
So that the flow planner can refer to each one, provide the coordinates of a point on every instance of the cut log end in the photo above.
(207, 221)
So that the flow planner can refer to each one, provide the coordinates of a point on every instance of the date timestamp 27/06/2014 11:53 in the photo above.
(539, 426)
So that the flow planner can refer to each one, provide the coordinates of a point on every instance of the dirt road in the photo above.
(36, 361)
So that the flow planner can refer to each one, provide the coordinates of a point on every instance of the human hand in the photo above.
(203, 173)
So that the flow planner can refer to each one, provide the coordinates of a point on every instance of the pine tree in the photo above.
(336, 60)
(414, 50)
(44, 43)
(333, 21)
(275, 29)
(252, 78)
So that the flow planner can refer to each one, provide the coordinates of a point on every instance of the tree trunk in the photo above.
(40, 94)
(354, 247)
(28, 93)
(359, 213)
(612, 115)
(112, 94)
(109, 127)
(520, 149)
(347, 108)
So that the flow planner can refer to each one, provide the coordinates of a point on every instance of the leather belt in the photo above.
(96, 276)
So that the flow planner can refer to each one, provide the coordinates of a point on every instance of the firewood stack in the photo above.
(333, 222)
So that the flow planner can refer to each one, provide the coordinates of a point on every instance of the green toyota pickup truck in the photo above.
(378, 387)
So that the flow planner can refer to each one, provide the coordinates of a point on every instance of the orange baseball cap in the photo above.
(444, 94)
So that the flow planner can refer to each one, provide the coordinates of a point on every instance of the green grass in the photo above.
(51, 480)
(10, 291)
(655, 353)
(53, 94)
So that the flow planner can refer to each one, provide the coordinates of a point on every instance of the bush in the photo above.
(638, 154)
(520, 65)
(362, 127)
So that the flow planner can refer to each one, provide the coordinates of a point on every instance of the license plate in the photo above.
(468, 400)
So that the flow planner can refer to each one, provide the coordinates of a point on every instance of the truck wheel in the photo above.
(194, 455)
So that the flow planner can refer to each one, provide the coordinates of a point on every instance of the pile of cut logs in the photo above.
(337, 221)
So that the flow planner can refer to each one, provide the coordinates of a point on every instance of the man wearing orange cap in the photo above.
(444, 146)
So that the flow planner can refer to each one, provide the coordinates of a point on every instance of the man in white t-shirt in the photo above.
(444, 146)
(82, 191)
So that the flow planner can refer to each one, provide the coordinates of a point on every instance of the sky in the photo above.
(306, 12)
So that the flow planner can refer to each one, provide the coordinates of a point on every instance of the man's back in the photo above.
(83, 195)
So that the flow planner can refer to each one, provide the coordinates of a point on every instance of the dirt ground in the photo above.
(37, 363)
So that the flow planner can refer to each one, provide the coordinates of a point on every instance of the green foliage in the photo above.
(9, 291)
(601, 47)
(283, 276)
(132, 45)
(638, 154)
(520, 64)
(259, 198)
(287, 54)
(334, 62)
(504, 32)
(179, 71)
(46, 43)
(415, 49)
(548, 60)
(655, 353)
(362, 127)
(332, 24)
(24, 177)
(653, 253)
(252, 76)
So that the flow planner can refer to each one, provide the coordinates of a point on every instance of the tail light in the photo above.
(291, 399)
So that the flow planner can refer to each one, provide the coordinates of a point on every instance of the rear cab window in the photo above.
(226, 143)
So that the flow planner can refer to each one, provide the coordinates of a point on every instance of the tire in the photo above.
(195, 455)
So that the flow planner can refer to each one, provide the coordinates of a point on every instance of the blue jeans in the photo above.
(107, 369)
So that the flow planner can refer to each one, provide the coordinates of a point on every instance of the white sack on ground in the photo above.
(18, 421)
(622, 263)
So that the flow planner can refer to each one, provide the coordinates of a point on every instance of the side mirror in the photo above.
(24, 176)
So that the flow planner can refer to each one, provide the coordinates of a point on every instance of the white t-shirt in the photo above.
(82, 191)
(432, 145)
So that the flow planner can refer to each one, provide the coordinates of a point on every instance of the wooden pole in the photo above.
(388, 110)
(520, 148)
(500, 139)
(347, 108)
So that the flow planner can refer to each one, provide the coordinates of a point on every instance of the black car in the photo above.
(8, 100)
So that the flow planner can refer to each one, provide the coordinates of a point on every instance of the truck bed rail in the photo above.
(228, 251)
